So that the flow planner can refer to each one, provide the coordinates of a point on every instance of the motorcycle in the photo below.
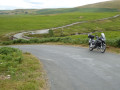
(98, 44)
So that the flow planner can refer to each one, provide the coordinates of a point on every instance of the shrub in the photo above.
(117, 41)
(65, 39)
(9, 59)
(110, 42)
(7, 42)
(7, 50)
(34, 40)
(20, 41)
(114, 42)
(54, 39)
(51, 34)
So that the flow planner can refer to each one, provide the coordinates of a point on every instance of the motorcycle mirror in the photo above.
(89, 34)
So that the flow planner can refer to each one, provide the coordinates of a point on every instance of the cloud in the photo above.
(15, 4)
(28, 4)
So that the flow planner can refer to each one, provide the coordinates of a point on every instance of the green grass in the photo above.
(109, 35)
(105, 25)
(16, 23)
(20, 71)
(10, 58)
(81, 10)
(113, 39)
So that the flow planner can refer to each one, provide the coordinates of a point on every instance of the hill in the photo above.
(18, 11)
(81, 10)
(55, 11)
(107, 4)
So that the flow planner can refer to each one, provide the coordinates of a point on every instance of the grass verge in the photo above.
(20, 71)
(75, 39)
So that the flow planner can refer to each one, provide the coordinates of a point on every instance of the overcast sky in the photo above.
(40, 4)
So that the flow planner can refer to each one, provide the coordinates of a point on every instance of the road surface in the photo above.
(76, 68)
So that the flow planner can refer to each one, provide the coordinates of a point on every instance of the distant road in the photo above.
(21, 34)
(75, 68)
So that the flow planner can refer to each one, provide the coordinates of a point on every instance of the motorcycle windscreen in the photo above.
(103, 36)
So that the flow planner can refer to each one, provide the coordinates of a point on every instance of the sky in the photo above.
(41, 4)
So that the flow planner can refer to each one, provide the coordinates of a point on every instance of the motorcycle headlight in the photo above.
(103, 39)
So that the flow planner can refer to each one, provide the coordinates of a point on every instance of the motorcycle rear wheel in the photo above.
(90, 48)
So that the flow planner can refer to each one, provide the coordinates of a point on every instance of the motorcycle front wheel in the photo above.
(103, 48)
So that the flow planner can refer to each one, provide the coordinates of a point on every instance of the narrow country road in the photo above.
(76, 68)
(44, 31)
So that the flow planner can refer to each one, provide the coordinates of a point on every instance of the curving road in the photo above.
(76, 68)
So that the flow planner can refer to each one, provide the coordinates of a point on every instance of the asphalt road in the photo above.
(75, 68)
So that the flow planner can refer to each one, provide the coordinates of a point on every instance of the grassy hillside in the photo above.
(55, 11)
(107, 4)
(92, 26)
(16, 23)
(81, 10)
